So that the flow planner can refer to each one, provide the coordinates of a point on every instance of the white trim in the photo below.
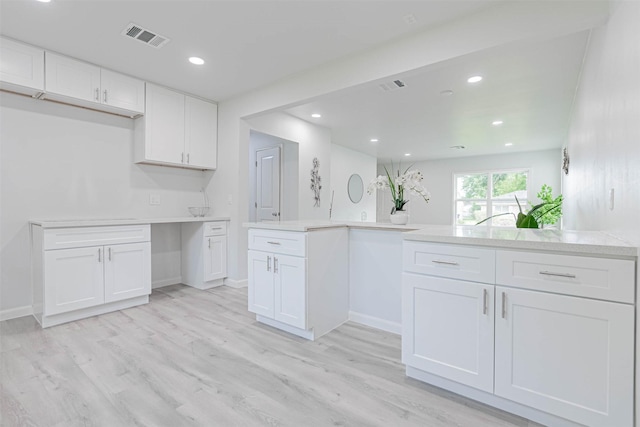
(236, 283)
(308, 334)
(74, 315)
(166, 282)
(14, 313)
(376, 322)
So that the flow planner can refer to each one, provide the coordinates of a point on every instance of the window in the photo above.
(481, 195)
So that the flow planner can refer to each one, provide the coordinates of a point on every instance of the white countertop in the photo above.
(95, 222)
(579, 242)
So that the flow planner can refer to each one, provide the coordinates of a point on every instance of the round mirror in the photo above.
(355, 188)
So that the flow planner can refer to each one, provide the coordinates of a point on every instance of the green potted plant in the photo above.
(547, 212)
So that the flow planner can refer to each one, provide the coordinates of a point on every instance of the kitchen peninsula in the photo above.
(535, 322)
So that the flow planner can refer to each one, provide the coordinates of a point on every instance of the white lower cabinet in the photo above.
(448, 329)
(204, 253)
(298, 281)
(572, 357)
(76, 277)
(556, 359)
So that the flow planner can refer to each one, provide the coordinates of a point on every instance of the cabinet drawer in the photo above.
(282, 242)
(218, 228)
(600, 278)
(79, 237)
(456, 262)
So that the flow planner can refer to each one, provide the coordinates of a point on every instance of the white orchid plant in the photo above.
(397, 183)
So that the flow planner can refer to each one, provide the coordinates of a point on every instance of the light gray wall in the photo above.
(604, 137)
(544, 168)
(344, 163)
(59, 161)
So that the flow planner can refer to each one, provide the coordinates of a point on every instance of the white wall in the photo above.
(289, 179)
(344, 163)
(544, 168)
(313, 141)
(604, 137)
(60, 161)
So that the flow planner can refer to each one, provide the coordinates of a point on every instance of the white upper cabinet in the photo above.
(177, 130)
(21, 67)
(87, 85)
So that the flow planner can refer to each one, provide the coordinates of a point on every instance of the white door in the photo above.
(73, 279)
(122, 91)
(164, 115)
(66, 76)
(215, 257)
(268, 184)
(261, 283)
(21, 64)
(569, 356)
(201, 133)
(450, 329)
(290, 290)
(127, 271)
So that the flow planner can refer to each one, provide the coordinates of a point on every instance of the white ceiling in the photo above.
(529, 86)
(246, 44)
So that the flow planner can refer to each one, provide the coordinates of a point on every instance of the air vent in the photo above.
(145, 36)
(393, 85)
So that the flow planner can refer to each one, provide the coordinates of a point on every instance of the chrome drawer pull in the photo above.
(275, 264)
(504, 305)
(550, 273)
(99, 254)
(268, 263)
(274, 243)
(215, 228)
(437, 261)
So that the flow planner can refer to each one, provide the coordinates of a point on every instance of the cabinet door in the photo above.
(448, 328)
(215, 257)
(21, 65)
(290, 290)
(73, 279)
(261, 283)
(569, 356)
(164, 125)
(68, 77)
(122, 91)
(127, 271)
(201, 132)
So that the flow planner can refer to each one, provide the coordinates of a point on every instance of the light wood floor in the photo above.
(198, 358)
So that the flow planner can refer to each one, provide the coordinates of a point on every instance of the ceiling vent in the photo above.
(145, 36)
(393, 85)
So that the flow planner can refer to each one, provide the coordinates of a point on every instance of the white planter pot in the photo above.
(399, 218)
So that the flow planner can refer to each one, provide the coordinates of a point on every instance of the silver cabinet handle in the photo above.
(274, 243)
(99, 254)
(215, 228)
(551, 273)
(182, 158)
(109, 254)
(275, 264)
(274, 213)
(504, 305)
(104, 96)
(98, 94)
(485, 301)
(268, 263)
(187, 158)
(209, 242)
(437, 261)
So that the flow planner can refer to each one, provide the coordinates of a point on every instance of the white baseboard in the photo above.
(236, 283)
(376, 322)
(14, 313)
(166, 282)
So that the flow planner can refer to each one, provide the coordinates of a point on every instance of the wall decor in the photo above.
(565, 160)
(316, 181)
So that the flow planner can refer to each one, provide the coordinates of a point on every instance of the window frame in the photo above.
(489, 200)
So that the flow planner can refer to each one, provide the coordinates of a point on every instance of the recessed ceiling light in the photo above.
(474, 79)
(458, 147)
(508, 144)
(44, 1)
(497, 122)
(195, 60)
(446, 92)
(407, 154)
(316, 115)
(374, 140)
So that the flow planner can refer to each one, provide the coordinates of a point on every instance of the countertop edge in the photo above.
(72, 223)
